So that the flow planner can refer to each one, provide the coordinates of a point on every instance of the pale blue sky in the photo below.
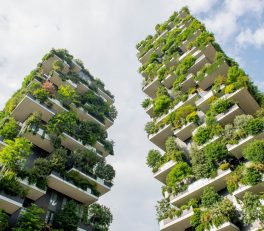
(103, 33)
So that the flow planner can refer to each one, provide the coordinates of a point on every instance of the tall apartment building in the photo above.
(207, 121)
(54, 145)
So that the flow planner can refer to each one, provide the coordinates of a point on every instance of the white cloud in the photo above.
(249, 37)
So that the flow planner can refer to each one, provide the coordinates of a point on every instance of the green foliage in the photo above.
(209, 197)
(58, 160)
(9, 128)
(66, 94)
(67, 218)
(154, 160)
(216, 152)
(3, 220)
(192, 117)
(30, 219)
(99, 217)
(41, 94)
(179, 172)
(150, 128)
(146, 103)
(163, 209)
(202, 40)
(251, 177)
(14, 154)
(254, 151)
(220, 106)
(57, 65)
(202, 135)
(255, 126)
(161, 104)
(252, 208)
(105, 171)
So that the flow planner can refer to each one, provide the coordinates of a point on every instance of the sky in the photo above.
(103, 34)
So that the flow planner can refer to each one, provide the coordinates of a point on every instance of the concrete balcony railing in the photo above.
(208, 79)
(228, 116)
(10, 204)
(227, 226)
(256, 189)
(66, 187)
(47, 65)
(59, 80)
(33, 192)
(199, 63)
(195, 189)
(244, 99)
(151, 88)
(101, 185)
(75, 67)
(160, 137)
(105, 96)
(191, 100)
(188, 83)
(101, 149)
(144, 58)
(169, 80)
(163, 171)
(29, 105)
(214, 139)
(236, 149)
(57, 106)
(149, 110)
(180, 223)
(209, 51)
(185, 43)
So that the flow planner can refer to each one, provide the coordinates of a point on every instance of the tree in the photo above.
(66, 94)
(9, 128)
(154, 159)
(209, 197)
(30, 219)
(254, 151)
(3, 220)
(67, 219)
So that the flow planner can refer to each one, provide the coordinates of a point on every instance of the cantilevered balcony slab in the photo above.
(101, 185)
(82, 88)
(161, 136)
(47, 65)
(40, 139)
(180, 223)
(236, 149)
(188, 83)
(229, 116)
(33, 192)
(214, 139)
(209, 51)
(100, 147)
(256, 189)
(84, 115)
(57, 106)
(151, 88)
(59, 80)
(185, 132)
(199, 63)
(191, 100)
(163, 171)
(56, 182)
(227, 226)
(245, 100)
(75, 67)
(27, 106)
(195, 189)
(149, 110)
(169, 80)
(208, 80)
(10, 204)
(104, 95)
(108, 122)
(185, 43)
(145, 57)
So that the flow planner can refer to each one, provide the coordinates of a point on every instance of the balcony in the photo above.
(149, 110)
(100, 147)
(183, 14)
(161, 136)
(39, 138)
(33, 192)
(169, 80)
(151, 88)
(208, 79)
(101, 185)
(191, 100)
(227, 226)
(180, 223)
(236, 149)
(56, 182)
(29, 105)
(245, 100)
(59, 80)
(256, 189)
(163, 171)
(185, 132)
(229, 116)
(199, 63)
(188, 83)
(76, 67)
(47, 65)
(195, 189)
(84, 115)
(190, 39)
(104, 95)
(108, 122)
(10, 204)
(57, 106)
(209, 51)
(82, 88)
(145, 57)
(214, 139)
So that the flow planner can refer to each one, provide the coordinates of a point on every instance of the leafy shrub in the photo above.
(216, 152)
(224, 166)
(58, 65)
(161, 104)
(241, 121)
(255, 126)
(220, 106)
(9, 128)
(192, 117)
(254, 151)
(150, 128)
(104, 171)
(154, 160)
(202, 135)
(251, 177)
(3, 220)
(146, 103)
(66, 94)
(41, 94)
(48, 86)
(209, 197)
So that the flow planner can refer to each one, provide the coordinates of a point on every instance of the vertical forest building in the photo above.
(207, 121)
(53, 149)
